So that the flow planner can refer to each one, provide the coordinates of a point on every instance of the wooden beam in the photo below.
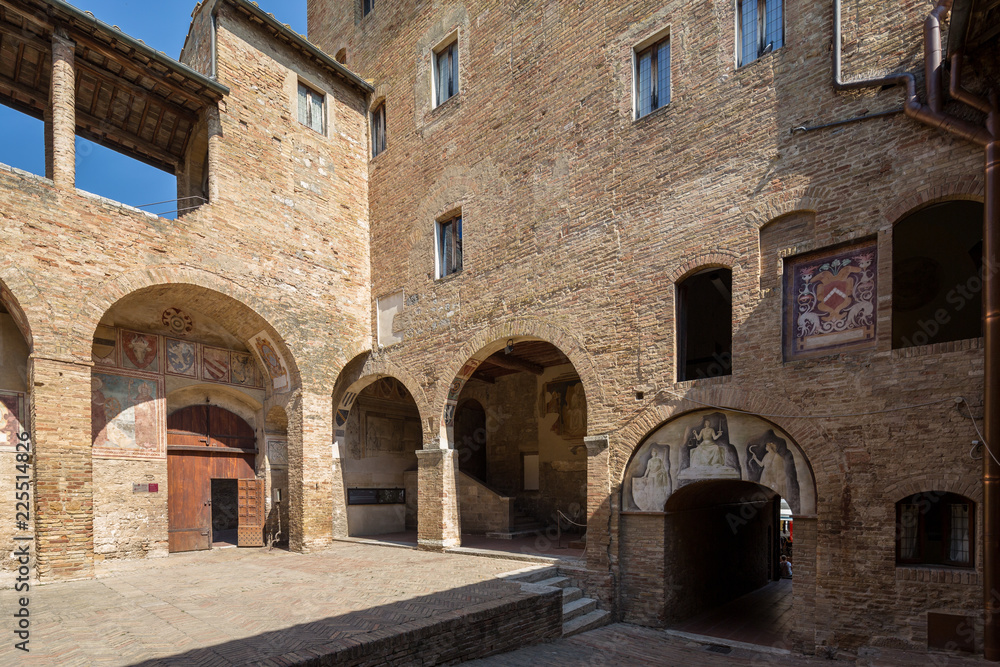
(102, 131)
(145, 69)
(37, 18)
(135, 89)
(18, 35)
(512, 363)
(477, 375)
(39, 96)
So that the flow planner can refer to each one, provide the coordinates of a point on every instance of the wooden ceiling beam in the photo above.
(95, 129)
(512, 363)
(135, 89)
(36, 18)
(482, 377)
(18, 35)
(39, 96)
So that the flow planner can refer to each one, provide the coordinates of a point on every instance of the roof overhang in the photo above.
(973, 23)
(129, 96)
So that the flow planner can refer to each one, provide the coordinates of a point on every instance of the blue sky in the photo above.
(162, 24)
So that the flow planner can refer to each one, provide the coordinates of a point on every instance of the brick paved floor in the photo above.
(622, 645)
(763, 617)
(231, 606)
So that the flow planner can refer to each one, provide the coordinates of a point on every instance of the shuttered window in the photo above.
(449, 247)
(311, 108)
(652, 76)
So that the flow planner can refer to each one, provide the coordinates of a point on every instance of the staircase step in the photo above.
(594, 619)
(571, 593)
(578, 608)
(557, 582)
(514, 533)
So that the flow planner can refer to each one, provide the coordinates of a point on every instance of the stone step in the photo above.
(577, 608)
(515, 533)
(557, 582)
(571, 593)
(594, 619)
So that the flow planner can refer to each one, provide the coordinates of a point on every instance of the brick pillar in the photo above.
(60, 117)
(599, 505)
(214, 124)
(64, 497)
(803, 633)
(310, 471)
(438, 524)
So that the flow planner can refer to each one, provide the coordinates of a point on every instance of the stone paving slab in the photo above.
(622, 645)
(239, 606)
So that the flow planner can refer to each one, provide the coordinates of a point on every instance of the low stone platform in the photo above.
(352, 604)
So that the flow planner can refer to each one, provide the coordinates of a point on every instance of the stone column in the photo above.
(63, 490)
(599, 505)
(438, 524)
(214, 166)
(60, 118)
(310, 471)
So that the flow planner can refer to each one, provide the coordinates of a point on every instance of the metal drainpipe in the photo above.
(931, 114)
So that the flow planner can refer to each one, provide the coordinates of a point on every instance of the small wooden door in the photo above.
(203, 442)
(251, 513)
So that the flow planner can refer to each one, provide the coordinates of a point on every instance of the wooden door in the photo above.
(203, 441)
(251, 513)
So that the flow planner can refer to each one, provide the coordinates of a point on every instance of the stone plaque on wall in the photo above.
(829, 301)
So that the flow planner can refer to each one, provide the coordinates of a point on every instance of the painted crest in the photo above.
(177, 321)
(141, 351)
(215, 364)
(181, 358)
(243, 370)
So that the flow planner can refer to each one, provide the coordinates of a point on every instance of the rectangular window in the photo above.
(366, 7)
(311, 108)
(446, 73)
(761, 29)
(449, 247)
(378, 129)
(652, 78)
(958, 540)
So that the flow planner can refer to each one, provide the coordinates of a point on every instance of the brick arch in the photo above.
(803, 199)
(493, 338)
(364, 370)
(16, 289)
(718, 258)
(933, 481)
(723, 396)
(108, 293)
(964, 188)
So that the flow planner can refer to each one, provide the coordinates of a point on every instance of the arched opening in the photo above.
(937, 281)
(518, 421)
(381, 435)
(711, 497)
(180, 379)
(705, 324)
(14, 389)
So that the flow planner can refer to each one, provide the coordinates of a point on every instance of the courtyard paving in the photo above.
(234, 606)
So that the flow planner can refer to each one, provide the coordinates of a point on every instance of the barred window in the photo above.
(761, 29)
(311, 108)
(652, 78)
(935, 528)
(378, 129)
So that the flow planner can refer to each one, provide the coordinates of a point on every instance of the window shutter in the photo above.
(303, 105)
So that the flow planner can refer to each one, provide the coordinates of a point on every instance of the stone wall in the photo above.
(482, 509)
(579, 221)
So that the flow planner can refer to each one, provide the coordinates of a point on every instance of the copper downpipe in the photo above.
(931, 114)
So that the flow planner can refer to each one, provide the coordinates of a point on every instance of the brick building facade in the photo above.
(612, 265)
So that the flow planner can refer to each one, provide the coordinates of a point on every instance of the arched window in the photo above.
(935, 528)
(937, 261)
(705, 325)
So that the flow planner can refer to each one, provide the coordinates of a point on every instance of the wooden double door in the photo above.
(206, 442)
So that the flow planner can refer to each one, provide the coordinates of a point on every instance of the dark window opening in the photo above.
(446, 73)
(341, 56)
(22, 140)
(937, 283)
(652, 78)
(935, 528)
(366, 7)
(449, 247)
(378, 129)
(761, 29)
(705, 325)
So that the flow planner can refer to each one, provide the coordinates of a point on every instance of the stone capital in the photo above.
(596, 444)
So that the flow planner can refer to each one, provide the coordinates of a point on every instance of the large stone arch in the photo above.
(363, 370)
(493, 338)
(105, 295)
(970, 188)
(15, 291)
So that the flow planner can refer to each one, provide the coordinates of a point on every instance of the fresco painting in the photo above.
(126, 416)
(12, 418)
(716, 445)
